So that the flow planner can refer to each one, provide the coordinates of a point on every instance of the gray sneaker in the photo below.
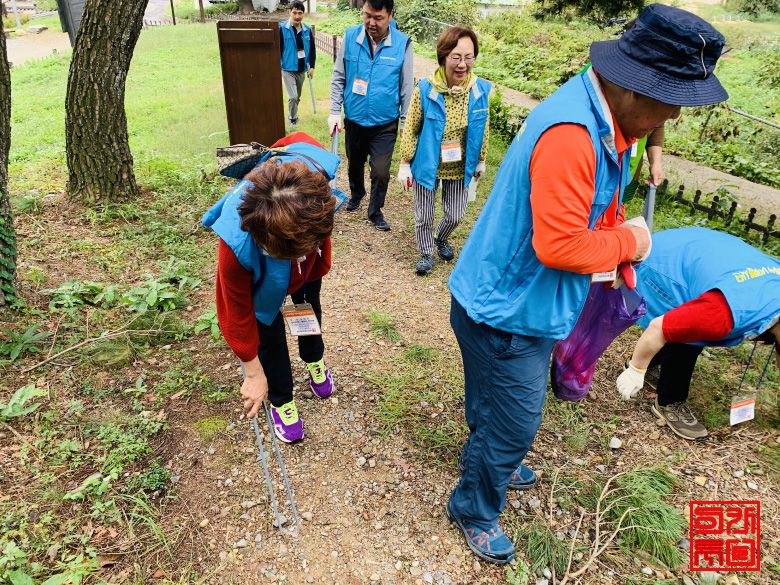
(680, 419)
(424, 264)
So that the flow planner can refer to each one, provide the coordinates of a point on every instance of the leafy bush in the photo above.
(597, 10)
(20, 343)
(339, 21)
(415, 17)
(756, 8)
(531, 56)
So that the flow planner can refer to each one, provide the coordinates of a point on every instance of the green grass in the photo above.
(380, 324)
(209, 427)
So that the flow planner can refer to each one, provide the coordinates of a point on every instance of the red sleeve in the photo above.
(235, 309)
(563, 170)
(705, 318)
(296, 137)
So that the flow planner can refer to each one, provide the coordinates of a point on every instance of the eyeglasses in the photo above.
(456, 59)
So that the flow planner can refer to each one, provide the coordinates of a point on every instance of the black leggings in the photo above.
(273, 353)
(677, 361)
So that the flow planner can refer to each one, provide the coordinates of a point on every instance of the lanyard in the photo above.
(763, 371)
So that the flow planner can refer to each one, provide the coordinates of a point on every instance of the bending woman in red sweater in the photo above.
(274, 230)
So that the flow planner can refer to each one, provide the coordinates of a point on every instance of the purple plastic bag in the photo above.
(606, 314)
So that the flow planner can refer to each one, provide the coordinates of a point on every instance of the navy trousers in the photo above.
(506, 383)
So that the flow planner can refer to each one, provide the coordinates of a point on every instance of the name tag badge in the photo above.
(609, 276)
(743, 408)
(301, 54)
(360, 87)
(450, 152)
(301, 320)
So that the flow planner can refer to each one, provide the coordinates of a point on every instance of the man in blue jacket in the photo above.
(552, 226)
(373, 79)
(702, 287)
(299, 55)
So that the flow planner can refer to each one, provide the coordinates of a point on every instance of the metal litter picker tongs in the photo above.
(263, 458)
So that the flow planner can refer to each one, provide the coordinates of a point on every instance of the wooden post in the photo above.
(173, 13)
(335, 47)
(202, 12)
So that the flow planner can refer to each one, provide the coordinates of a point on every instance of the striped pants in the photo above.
(454, 196)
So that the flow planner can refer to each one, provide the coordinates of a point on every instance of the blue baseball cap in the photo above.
(668, 55)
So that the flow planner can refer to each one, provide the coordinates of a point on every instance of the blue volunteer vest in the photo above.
(290, 55)
(498, 278)
(382, 102)
(686, 262)
(270, 276)
(425, 163)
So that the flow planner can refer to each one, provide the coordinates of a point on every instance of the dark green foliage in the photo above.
(755, 8)
(598, 10)
(416, 17)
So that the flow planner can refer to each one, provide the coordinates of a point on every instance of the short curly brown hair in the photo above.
(288, 208)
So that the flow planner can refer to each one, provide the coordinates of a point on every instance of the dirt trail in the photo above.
(376, 509)
(679, 171)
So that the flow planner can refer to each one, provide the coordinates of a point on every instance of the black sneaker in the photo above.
(445, 251)
(353, 204)
(381, 224)
(424, 264)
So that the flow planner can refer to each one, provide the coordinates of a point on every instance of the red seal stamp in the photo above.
(725, 535)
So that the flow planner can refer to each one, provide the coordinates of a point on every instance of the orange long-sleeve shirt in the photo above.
(561, 199)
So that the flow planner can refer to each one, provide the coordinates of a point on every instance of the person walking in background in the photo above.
(553, 221)
(299, 56)
(702, 288)
(445, 142)
(274, 239)
(373, 79)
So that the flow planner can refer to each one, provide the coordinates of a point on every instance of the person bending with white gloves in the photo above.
(702, 288)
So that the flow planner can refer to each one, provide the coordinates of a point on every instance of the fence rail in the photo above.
(717, 209)
(326, 43)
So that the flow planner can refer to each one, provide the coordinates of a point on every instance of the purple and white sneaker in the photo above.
(288, 424)
(320, 379)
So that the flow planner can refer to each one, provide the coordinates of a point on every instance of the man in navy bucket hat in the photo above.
(553, 227)
(669, 55)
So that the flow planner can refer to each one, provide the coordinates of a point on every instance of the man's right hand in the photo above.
(638, 228)
(254, 390)
(334, 123)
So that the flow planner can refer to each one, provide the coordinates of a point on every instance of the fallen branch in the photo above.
(110, 335)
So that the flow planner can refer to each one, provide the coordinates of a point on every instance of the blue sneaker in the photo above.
(492, 546)
(523, 478)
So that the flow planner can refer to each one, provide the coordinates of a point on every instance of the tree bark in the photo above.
(245, 6)
(100, 164)
(7, 233)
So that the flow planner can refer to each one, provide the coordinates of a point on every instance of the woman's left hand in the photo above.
(480, 170)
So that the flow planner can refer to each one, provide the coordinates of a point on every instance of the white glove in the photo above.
(334, 123)
(480, 170)
(405, 176)
(640, 222)
(630, 381)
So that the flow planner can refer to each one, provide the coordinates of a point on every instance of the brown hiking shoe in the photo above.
(680, 419)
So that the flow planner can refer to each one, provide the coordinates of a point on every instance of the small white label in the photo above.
(301, 54)
(742, 409)
(301, 320)
(450, 152)
(604, 276)
(634, 149)
(360, 87)
(472, 190)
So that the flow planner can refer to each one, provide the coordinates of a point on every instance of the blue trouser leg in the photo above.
(506, 383)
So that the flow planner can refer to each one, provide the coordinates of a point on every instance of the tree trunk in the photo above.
(100, 164)
(7, 234)
(245, 6)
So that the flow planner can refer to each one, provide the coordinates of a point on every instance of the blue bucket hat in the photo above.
(668, 55)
